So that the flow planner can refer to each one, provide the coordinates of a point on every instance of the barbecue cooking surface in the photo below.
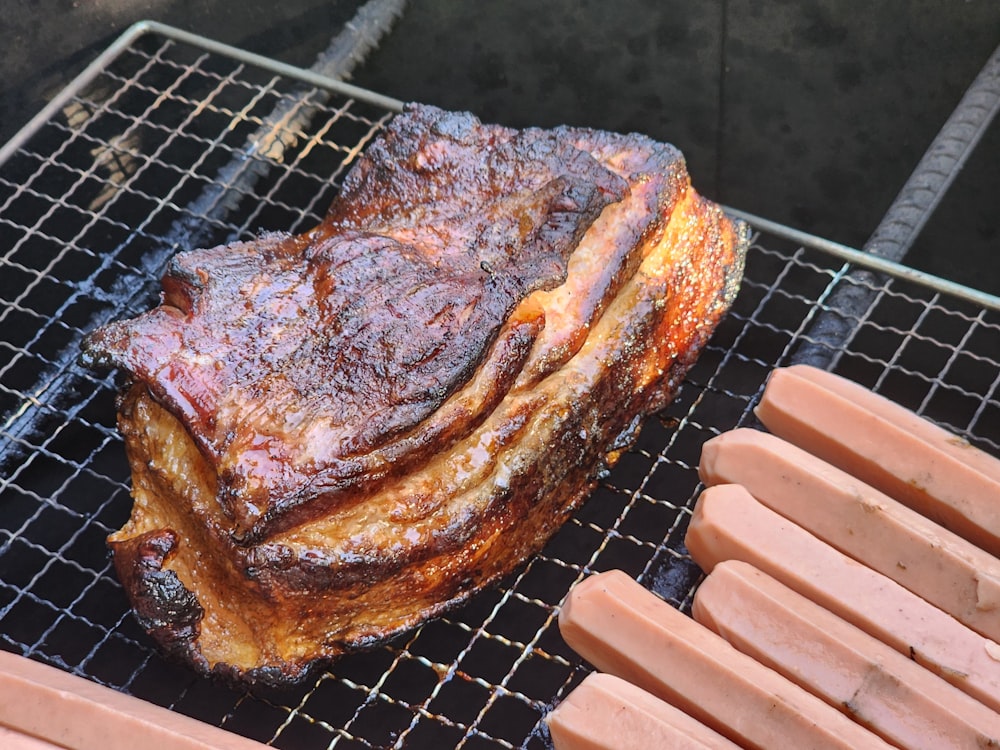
(152, 157)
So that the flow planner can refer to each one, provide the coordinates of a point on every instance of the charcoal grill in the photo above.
(170, 141)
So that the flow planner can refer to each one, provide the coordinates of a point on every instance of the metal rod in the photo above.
(940, 165)
(312, 77)
(869, 261)
(903, 222)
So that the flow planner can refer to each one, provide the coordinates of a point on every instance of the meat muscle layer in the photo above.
(337, 435)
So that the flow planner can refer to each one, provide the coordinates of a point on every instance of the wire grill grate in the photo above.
(171, 146)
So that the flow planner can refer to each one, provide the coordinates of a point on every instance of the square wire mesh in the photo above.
(172, 147)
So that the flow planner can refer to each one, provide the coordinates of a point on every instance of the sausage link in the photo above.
(621, 628)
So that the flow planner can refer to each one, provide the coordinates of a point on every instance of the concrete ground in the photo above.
(812, 114)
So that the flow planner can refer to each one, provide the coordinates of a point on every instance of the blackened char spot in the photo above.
(162, 605)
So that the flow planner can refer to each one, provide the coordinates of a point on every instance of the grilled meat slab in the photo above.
(337, 435)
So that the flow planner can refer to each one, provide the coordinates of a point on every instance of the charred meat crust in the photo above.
(161, 603)
(337, 435)
(357, 332)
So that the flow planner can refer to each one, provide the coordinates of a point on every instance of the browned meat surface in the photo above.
(337, 435)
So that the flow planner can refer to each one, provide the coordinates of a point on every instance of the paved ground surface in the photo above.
(809, 113)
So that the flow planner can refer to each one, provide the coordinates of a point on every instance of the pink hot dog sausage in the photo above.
(877, 686)
(13, 740)
(889, 410)
(622, 628)
(728, 523)
(862, 522)
(605, 712)
(75, 713)
(888, 447)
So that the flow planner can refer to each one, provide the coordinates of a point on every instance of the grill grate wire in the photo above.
(150, 156)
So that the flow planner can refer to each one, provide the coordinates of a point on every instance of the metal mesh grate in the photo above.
(172, 146)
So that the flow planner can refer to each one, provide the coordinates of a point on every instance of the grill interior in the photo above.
(170, 146)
